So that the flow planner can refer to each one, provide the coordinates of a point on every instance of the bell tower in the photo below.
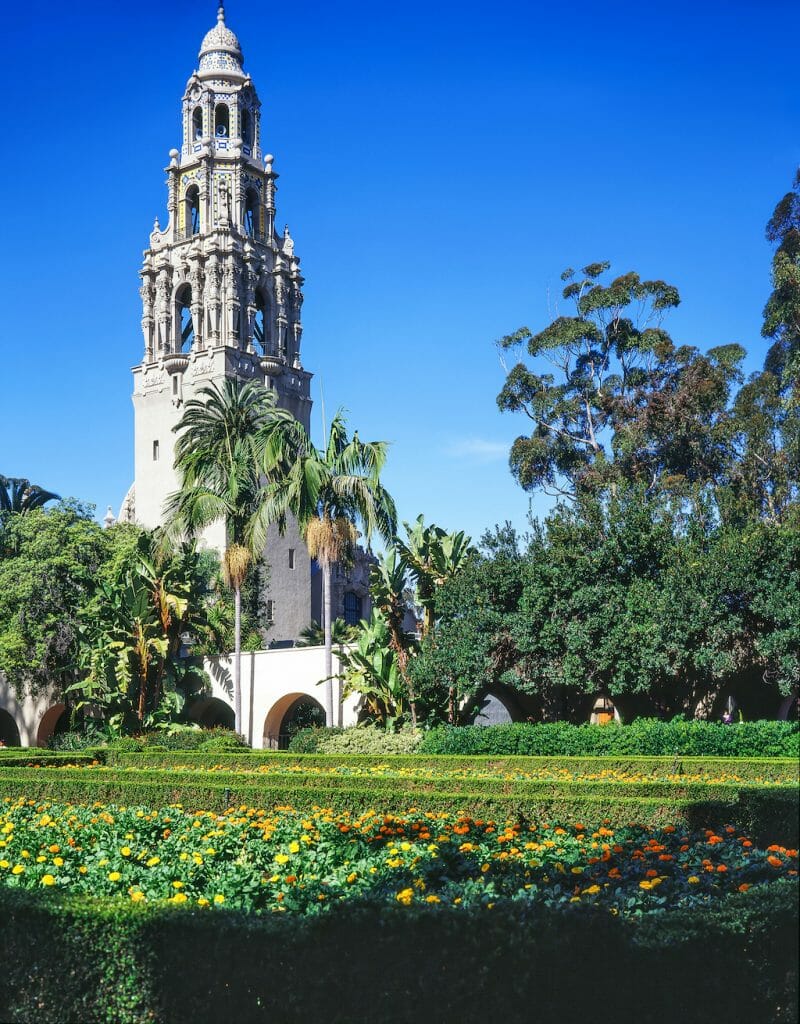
(221, 298)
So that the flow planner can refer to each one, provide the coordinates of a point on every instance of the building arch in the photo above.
(491, 709)
(604, 711)
(55, 719)
(283, 712)
(222, 121)
(197, 123)
(9, 730)
(252, 212)
(184, 321)
(211, 713)
(191, 211)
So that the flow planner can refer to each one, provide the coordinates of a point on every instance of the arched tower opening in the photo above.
(222, 121)
(184, 321)
(197, 123)
(192, 210)
(251, 210)
(247, 126)
(260, 323)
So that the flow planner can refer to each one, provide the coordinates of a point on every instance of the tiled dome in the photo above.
(220, 49)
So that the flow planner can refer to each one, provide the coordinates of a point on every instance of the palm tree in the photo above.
(20, 495)
(432, 557)
(217, 457)
(328, 492)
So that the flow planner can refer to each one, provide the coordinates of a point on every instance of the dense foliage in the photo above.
(735, 960)
(668, 610)
(643, 737)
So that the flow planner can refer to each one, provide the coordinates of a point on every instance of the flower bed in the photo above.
(305, 862)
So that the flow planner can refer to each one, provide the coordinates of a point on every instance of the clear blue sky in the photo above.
(440, 165)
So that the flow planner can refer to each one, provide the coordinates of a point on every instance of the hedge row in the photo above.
(766, 814)
(111, 963)
(17, 757)
(748, 769)
(643, 736)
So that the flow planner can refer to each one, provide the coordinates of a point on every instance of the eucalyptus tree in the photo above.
(329, 492)
(218, 461)
(612, 399)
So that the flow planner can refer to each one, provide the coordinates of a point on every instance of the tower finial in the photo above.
(221, 12)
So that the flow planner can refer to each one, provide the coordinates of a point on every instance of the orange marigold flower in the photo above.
(651, 873)
(743, 887)
(721, 867)
(776, 862)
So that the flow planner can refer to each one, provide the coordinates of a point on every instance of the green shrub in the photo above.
(222, 740)
(365, 740)
(103, 962)
(86, 739)
(306, 741)
(643, 736)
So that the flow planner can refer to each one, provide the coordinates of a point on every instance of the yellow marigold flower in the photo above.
(352, 877)
(693, 880)
(125, 851)
(294, 847)
(4, 864)
(82, 869)
(405, 896)
(592, 890)
(484, 868)
(177, 885)
(219, 898)
(41, 860)
(24, 854)
(114, 876)
(203, 902)
(281, 858)
(152, 861)
(433, 898)
(48, 880)
(58, 861)
(17, 869)
(137, 897)
(577, 871)
(55, 848)
(179, 897)
(645, 884)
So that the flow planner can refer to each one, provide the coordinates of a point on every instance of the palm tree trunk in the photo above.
(327, 587)
(237, 659)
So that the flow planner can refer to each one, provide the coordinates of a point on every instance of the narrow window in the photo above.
(155, 451)
(192, 201)
(222, 121)
(174, 385)
(270, 611)
(251, 212)
(291, 558)
(183, 304)
(247, 128)
(197, 122)
(352, 608)
(260, 323)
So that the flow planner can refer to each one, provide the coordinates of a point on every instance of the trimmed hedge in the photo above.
(748, 769)
(30, 757)
(643, 736)
(355, 740)
(767, 814)
(112, 963)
